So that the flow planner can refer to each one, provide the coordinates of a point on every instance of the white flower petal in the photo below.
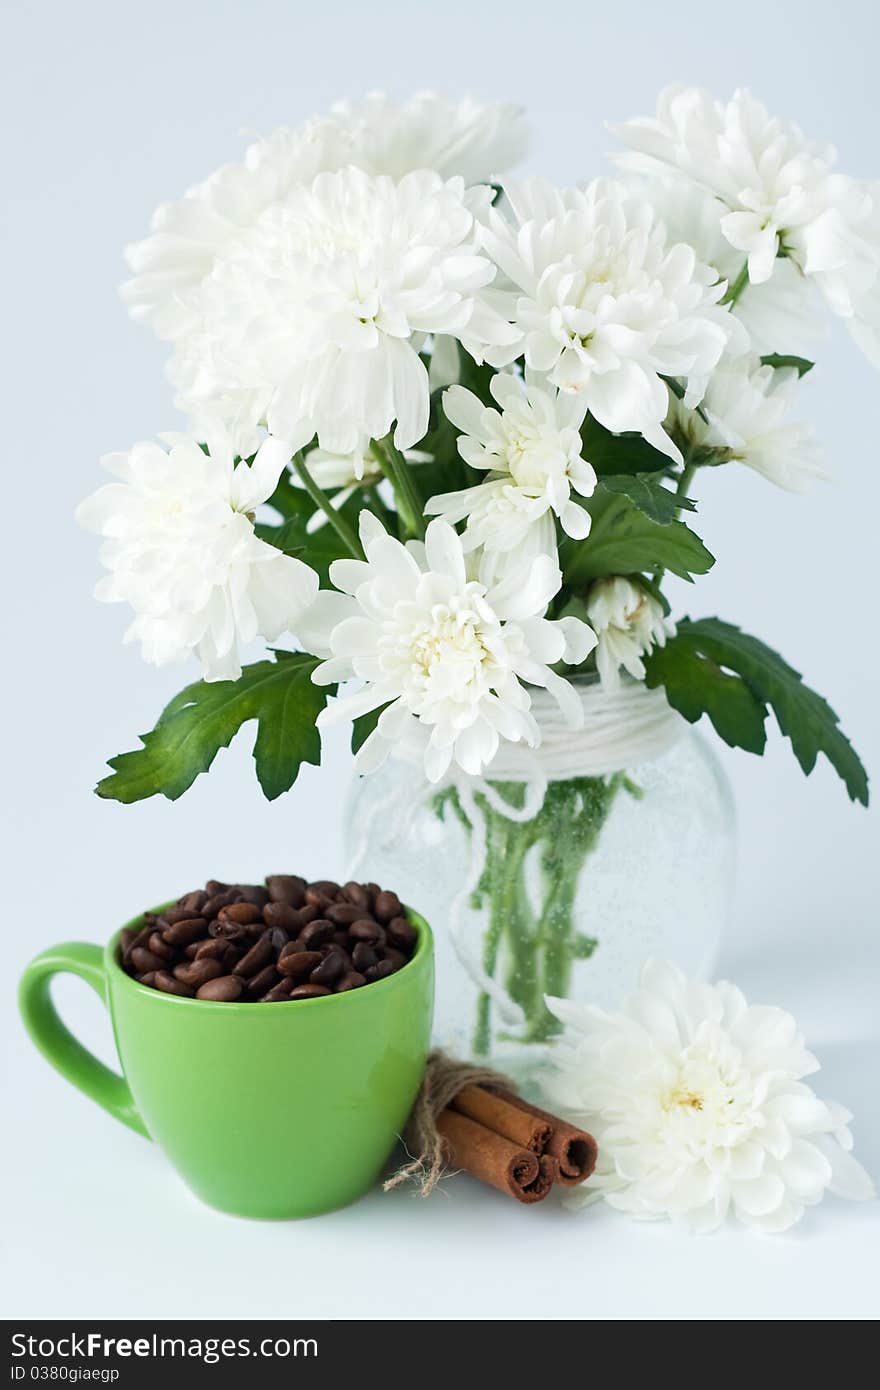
(687, 1126)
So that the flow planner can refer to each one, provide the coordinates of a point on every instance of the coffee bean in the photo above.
(259, 955)
(343, 914)
(252, 893)
(277, 992)
(291, 949)
(148, 979)
(387, 906)
(279, 938)
(365, 929)
(127, 937)
(194, 901)
(222, 990)
(357, 894)
(186, 930)
(317, 933)
(199, 972)
(215, 948)
(140, 938)
(216, 901)
(177, 913)
(331, 967)
(325, 887)
(397, 958)
(214, 886)
(260, 984)
(380, 971)
(229, 929)
(283, 915)
(351, 980)
(363, 956)
(298, 964)
(402, 933)
(308, 913)
(309, 991)
(169, 985)
(160, 947)
(286, 888)
(242, 912)
(144, 960)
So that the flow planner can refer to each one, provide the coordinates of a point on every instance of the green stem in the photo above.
(494, 933)
(507, 843)
(685, 478)
(734, 290)
(320, 499)
(396, 470)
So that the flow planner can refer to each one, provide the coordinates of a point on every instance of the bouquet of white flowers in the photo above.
(444, 434)
(445, 430)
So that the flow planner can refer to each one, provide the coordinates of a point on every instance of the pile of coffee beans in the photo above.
(285, 940)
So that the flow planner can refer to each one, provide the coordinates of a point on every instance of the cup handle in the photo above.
(57, 1043)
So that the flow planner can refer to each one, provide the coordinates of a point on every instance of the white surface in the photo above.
(115, 108)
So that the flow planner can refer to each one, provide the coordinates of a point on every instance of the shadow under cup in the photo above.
(277, 1110)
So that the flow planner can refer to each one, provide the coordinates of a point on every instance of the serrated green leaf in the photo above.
(623, 540)
(646, 491)
(696, 686)
(803, 716)
(204, 718)
(802, 365)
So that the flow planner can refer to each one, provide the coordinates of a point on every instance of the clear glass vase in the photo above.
(558, 880)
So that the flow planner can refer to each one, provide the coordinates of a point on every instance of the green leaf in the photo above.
(205, 717)
(646, 491)
(804, 717)
(363, 727)
(620, 453)
(623, 540)
(696, 686)
(779, 359)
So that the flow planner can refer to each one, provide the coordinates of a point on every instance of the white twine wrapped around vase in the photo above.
(622, 730)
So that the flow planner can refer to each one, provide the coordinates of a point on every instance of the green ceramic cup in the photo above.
(276, 1110)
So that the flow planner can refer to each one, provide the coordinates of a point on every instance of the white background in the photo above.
(110, 108)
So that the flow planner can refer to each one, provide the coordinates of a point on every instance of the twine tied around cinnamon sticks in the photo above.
(470, 1117)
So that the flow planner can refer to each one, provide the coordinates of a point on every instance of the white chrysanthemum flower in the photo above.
(699, 1108)
(311, 320)
(628, 622)
(779, 316)
(748, 408)
(181, 550)
(779, 195)
(448, 657)
(532, 449)
(345, 474)
(603, 304)
(468, 139)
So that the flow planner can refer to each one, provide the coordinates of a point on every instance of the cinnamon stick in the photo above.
(496, 1112)
(575, 1149)
(517, 1171)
